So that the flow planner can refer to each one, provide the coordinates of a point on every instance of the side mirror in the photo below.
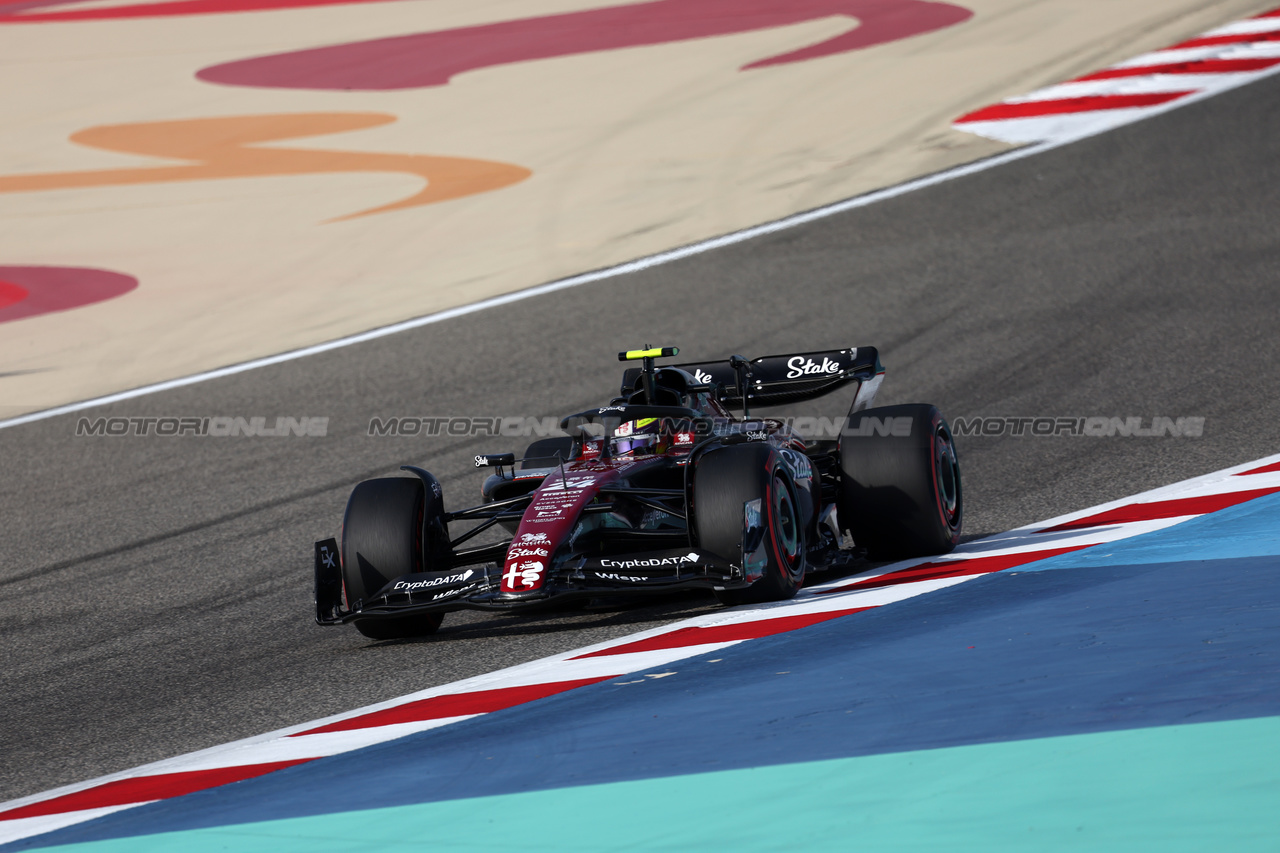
(496, 460)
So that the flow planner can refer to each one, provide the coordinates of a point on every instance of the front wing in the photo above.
(480, 587)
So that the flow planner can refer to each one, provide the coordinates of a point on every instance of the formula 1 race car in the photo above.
(663, 489)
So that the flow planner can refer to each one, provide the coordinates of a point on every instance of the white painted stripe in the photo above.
(1144, 85)
(278, 746)
(1013, 542)
(1204, 484)
(1171, 57)
(665, 657)
(543, 289)
(1061, 133)
(1020, 131)
(1249, 25)
(1033, 130)
(558, 668)
(307, 746)
(1064, 137)
(14, 830)
(1243, 50)
(1045, 132)
(627, 666)
(1224, 486)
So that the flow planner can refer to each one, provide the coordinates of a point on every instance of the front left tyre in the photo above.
(382, 532)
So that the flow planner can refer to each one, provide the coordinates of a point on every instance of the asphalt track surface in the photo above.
(155, 592)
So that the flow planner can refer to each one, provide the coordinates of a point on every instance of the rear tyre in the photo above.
(381, 540)
(900, 492)
(726, 479)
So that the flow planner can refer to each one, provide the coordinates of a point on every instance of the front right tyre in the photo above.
(724, 481)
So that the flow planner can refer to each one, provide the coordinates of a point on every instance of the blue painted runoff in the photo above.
(1251, 529)
(1175, 789)
(1004, 658)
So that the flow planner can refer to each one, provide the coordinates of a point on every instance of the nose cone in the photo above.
(548, 523)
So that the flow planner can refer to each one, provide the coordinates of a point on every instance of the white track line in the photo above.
(1063, 132)
(1059, 139)
(543, 289)
(627, 268)
(269, 746)
(627, 667)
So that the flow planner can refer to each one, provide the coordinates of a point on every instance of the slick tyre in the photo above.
(900, 492)
(381, 540)
(726, 479)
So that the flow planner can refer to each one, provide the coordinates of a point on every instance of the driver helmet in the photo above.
(635, 437)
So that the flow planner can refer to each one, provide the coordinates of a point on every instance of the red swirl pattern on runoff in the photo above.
(22, 12)
(29, 291)
(434, 58)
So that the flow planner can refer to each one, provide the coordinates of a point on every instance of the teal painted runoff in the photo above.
(1200, 787)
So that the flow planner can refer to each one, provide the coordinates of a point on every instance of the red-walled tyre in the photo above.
(900, 492)
(726, 479)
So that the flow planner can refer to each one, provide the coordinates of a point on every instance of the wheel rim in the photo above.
(785, 525)
(946, 469)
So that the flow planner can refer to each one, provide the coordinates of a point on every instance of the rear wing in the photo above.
(775, 380)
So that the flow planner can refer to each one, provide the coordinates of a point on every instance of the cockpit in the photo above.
(672, 386)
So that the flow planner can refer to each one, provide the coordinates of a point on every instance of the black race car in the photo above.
(662, 489)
